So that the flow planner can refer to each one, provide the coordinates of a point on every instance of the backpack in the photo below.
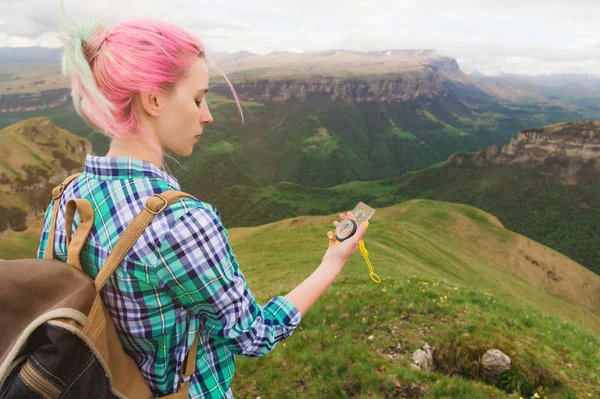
(56, 338)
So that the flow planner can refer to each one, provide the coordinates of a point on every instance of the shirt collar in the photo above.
(123, 167)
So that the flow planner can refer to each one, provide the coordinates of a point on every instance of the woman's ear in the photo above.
(150, 103)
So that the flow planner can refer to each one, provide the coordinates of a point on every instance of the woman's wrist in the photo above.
(310, 290)
(331, 262)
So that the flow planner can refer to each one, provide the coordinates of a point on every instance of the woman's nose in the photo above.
(206, 118)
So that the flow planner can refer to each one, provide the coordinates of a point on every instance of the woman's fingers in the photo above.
(343, 217)
(331, 237)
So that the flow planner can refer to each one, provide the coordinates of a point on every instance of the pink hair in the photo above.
(109, 67)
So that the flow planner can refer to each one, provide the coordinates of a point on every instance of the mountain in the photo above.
(384, 113)
(327, 118)
(452, 277)
(561, 80)
(579, 91)
(547, 80)
(229, 56)
(26, 55)
(35, 156)
(37, 54)
(356, 76)
(323, 131)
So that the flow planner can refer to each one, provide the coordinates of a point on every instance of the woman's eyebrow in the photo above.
(204, 90)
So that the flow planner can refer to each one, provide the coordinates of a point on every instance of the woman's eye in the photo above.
(198, 103)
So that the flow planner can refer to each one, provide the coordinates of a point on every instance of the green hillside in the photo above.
(35, 148)
(34, 155)
(447, 280)
(452, 277)
(532, 200)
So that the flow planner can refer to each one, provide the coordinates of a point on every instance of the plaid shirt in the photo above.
(180, 276)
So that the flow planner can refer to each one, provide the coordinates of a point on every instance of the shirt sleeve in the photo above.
(197, 266)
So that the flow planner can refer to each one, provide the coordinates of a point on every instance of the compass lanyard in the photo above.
(365, 255)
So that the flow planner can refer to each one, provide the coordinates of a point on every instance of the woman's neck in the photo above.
(135, 149)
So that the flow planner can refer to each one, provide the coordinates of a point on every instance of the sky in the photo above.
(490, 36)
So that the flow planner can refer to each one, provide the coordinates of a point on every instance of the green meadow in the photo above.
(452, 277)
(441, 285)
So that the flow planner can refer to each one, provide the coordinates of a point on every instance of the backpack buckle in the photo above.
(57, 191)
(162, 207)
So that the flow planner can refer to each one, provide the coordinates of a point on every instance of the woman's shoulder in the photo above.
(193, 222)
(192, 208)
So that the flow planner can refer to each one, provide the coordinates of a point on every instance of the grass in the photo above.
(399, 132)
(438, 287)
(24, 244)
(358, 340)
(449, 279)
(215, 100)
(403, 134)
(322, 142)
(223, 147)
(454, 240)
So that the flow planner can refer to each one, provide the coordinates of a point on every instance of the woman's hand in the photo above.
(341, 251)
(310, 290)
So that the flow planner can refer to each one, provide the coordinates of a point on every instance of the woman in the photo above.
(143, 83)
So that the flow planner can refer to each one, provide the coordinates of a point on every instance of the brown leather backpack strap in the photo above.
(188, 369)
(86, 212)
(57, 192)
(190, 364)
(154, 206)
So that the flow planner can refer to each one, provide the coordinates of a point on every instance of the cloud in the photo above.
(30, 18)
(548, 35)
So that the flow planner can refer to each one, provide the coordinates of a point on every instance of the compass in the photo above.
(346, 229)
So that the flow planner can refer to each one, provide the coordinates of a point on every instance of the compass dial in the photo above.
(345, 229)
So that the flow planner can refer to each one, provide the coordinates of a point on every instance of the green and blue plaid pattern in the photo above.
(180, 276)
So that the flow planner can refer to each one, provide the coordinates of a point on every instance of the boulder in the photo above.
(423, 358)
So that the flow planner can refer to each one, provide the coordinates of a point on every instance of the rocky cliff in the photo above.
(23, 102)
(394, 75)
(572, 147)
(355, 90)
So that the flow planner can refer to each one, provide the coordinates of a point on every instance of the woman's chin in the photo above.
(184, 152)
